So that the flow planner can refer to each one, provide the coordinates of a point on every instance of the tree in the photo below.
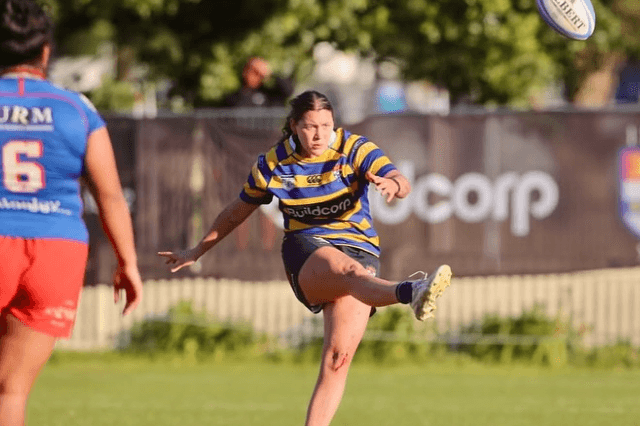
(493, 52)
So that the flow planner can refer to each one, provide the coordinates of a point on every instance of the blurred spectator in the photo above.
(389, 93)
(259, 87)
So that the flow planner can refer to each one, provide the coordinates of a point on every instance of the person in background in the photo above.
(259, 87)
(50, 138)
(330, 249)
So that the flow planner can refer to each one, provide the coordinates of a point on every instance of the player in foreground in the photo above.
(49, 139)
(330, 248)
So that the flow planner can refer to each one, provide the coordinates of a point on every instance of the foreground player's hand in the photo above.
(387, 187)
(127, 278)
(179, 259)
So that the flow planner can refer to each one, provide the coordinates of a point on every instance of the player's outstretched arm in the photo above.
(232, 216)
(102, 179)
(392, 185)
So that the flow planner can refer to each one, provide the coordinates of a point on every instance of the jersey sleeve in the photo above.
(367, 156)
(255, 189)
(95, 120)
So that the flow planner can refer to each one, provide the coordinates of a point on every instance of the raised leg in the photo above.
(329, 274)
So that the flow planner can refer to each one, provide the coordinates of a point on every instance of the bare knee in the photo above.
(354, 269)
(336, 359)
(14, 386)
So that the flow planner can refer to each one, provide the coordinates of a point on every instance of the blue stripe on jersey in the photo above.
(43, 137)
(386, 169)
(282, 152)
(325, 196)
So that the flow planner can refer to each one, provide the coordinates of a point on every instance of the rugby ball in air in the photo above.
(571, 18)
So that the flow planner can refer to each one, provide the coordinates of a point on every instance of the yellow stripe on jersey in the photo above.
(315, 200)
(353, 237)
(347, 170)
(261, 182)
(378, 164)
(254, 193)
(348, 144)
(344, 224)
(362, 153)
(272, 158)
(302, 181)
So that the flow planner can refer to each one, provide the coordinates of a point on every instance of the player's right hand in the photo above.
(179, 259)
(127, 278)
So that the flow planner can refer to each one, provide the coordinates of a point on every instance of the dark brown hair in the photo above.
(306, 101)
(24, 30)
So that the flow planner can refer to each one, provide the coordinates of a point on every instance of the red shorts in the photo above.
(40, 282)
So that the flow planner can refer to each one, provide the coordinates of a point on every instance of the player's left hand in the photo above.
(127, 278)
(387, 187)
(179, 258)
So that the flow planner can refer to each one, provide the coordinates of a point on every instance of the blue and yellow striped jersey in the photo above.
(324, 196)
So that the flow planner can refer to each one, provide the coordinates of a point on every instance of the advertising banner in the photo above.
(492, 194)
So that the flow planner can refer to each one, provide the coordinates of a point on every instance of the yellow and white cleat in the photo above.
(427, 290)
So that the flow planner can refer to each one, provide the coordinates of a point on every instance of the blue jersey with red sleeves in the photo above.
(43, 140)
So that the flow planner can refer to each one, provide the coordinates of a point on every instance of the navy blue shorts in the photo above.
(296, 249)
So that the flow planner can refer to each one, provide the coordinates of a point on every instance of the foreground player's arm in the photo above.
(102, 179)
(392, 185)
(228, 220)
(404, 187)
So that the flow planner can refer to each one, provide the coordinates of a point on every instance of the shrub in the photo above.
(621, 354)
(392, 336)
(184, 331)
(532, 336)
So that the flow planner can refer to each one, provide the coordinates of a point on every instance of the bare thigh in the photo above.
(23, 352)
(327, 273)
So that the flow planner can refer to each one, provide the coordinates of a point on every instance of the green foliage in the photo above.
(114, 95)
(393, 336)
(532, 336)
(193, 336)
(495, 52)
(621, 354)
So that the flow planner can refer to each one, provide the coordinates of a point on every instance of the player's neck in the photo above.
(27, 71)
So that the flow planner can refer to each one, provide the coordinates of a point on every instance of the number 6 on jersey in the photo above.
(22, 176)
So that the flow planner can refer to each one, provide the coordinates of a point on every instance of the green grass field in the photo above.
(111, 390)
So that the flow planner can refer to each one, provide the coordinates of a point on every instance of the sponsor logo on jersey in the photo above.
(18, 117)
(34, 205)
(314, 179)
(328, 209)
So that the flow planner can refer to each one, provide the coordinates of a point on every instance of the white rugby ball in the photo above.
(575, 19)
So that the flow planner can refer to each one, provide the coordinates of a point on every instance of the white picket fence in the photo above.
(606, 303)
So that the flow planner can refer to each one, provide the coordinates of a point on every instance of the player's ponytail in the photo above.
(24, 30)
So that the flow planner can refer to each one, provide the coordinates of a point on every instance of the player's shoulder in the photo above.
(349, 142)
(279, 153)
(75, 97)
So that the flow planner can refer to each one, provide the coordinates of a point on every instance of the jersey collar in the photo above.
(24, 72)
